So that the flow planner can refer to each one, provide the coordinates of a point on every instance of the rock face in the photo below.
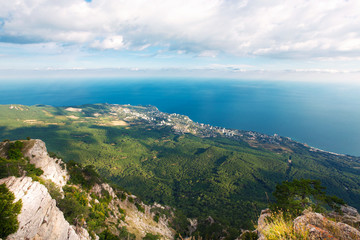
(38, 155)
(349, 216)
(40, 219)
(262, 224)
(320, 227)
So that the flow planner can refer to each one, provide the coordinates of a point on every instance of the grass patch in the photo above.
(278, 227)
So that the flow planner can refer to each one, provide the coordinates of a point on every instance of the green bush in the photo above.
(248, 235)
(121, 195)
(87, 176)
(8, 212)
(10, 167)
(31, 170)
(53, 190)
(124, 234)
(107, 235)
(156, 217)
(72, 209)
(105, 196)
(150, 236)
(14, 151)
(140, 208)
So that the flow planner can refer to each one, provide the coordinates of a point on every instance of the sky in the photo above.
(278, 39)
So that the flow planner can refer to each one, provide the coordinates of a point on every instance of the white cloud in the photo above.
(284, 29)
(112, 42)
(208, 53)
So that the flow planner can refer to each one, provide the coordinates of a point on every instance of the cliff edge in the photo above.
(51, 197)
(40, 218)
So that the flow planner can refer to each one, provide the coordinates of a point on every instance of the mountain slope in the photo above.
(199, 169)
(79, 208)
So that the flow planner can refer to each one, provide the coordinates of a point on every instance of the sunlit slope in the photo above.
(170, 159)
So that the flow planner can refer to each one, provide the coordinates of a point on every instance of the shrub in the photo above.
(31, 170)
(249, 235)
(107, 235)
(14, 151)
(105, 196)
(124, 234)
(53, 190)
(121, 195)
(85, 176)
(8, 212)
(156, 217)
(72, 209)
(150, 236)
(9, 167)
(140, 208)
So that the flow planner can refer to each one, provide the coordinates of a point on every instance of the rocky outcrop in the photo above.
(349, 215)
(317, 226)
(320, 227)
(40, 219)
(36, 151)
(262, 223)
(136, 222)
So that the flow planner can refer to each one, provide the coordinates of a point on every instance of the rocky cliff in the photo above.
(36, 151)
(40, 218)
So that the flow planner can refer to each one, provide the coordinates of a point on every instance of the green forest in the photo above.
(227, 179)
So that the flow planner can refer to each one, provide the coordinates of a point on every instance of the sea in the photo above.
(322, 115)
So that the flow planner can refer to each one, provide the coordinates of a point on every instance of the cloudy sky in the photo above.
(238, 37)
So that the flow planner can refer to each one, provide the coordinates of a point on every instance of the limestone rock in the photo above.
(320, 227)
(39, 219)
(262, 224)
(36, 151)
(349, 216)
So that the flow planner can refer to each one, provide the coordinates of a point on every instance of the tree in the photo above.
(14, 151)
(294, 197)
(8, 212)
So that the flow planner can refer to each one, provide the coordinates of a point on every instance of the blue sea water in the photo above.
(326, 116)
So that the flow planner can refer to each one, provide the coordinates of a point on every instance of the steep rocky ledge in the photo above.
(39, 217)
(36, 151)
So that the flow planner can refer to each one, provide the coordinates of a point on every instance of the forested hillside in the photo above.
(201, 170)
